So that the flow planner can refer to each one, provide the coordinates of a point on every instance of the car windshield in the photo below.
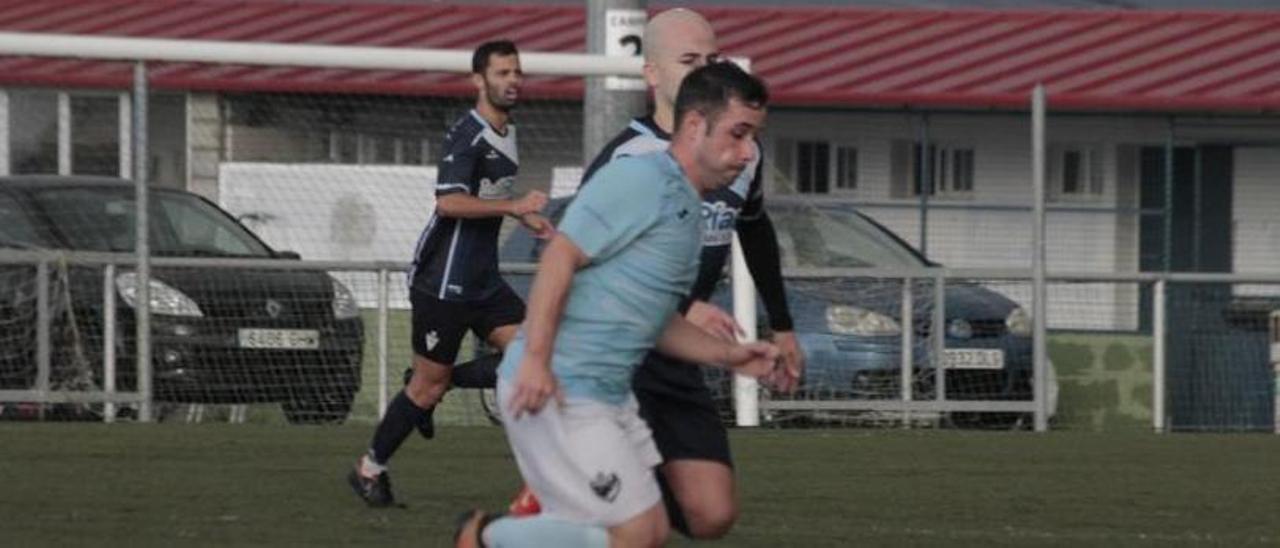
(834, 235)
(16, 227)
(102, 219)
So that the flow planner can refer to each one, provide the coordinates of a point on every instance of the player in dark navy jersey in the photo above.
(454, 282)
(696, 474)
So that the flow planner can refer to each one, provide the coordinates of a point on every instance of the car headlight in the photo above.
(1018, 322)
(960, 328)
(345, 306)
(164, 299)
(853, 320)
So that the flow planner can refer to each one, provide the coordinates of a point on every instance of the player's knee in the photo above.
(654, 534)
(425, 391)
(711, 521)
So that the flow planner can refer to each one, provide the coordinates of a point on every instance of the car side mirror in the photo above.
(290, 255)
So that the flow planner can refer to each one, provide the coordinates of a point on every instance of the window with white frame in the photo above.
(945, 170)
(1075, 172)
(62, 132)
(824, 167)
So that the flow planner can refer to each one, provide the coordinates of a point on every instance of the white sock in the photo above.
(369, 468)
(538, 531)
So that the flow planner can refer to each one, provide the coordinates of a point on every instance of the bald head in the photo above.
(676, 41)
(674, 30)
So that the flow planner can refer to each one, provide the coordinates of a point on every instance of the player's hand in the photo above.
(786, 376)
(713, 320)
(540, 226)
(535, 386)
(753, 359)
(532, 202)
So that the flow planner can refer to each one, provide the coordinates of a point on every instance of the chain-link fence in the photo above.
(889, 224)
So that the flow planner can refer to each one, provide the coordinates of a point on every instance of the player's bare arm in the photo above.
(466, 206)
(791, 360)
(714, 321)
(684, 340)
(535, 383)
(541, 227)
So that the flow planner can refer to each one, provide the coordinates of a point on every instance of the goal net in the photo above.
(333, 165)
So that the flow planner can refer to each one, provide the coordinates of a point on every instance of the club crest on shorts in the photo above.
(606, 486)
(432, 339)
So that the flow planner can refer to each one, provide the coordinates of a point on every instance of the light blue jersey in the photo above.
(642, 232)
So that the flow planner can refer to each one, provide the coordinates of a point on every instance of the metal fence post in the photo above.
(44, 319)
(907, 369)
(382, 340)
(938, 335)
(1158, 331)
(142, 303)
(109, 342)
(1039, 300)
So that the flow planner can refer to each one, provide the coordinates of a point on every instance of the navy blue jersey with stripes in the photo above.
(721, 209)
(457, 259)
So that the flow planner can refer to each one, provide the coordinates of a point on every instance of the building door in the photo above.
(1214, 371)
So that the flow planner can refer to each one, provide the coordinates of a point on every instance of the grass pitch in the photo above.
(256, 484)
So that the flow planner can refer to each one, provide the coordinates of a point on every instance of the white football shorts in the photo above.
(586, 461)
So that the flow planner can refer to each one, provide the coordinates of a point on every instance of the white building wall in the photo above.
(987, 234)
(1256, 207)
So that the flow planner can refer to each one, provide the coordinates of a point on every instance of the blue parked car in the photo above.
(850, 329)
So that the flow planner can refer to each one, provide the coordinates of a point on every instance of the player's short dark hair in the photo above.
(709, 88)
(480, 59)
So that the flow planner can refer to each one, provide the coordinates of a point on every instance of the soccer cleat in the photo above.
(374, 491)
(469, 527)
(525, 503)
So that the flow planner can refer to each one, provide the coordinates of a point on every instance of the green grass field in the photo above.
(266, 484)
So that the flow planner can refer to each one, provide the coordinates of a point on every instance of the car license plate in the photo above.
(973, 358)
(297, 339)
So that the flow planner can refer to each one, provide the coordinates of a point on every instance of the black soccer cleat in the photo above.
(375, 491)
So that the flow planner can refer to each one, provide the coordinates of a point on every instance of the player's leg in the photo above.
(643, 531)
(593, 464)
(697, 472)
(437, 331)
(499, 319)
(700, 495)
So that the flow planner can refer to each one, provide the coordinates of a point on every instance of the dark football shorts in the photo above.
(676, 402)
(439, 325)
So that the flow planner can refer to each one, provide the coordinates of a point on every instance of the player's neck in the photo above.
(664, 117)
(685, 158)
(496, 118)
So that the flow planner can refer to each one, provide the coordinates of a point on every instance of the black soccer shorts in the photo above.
(439, 325)
(676, 402)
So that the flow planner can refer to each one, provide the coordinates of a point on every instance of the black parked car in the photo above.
(219, 335)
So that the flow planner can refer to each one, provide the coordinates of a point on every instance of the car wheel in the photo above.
(318, 407)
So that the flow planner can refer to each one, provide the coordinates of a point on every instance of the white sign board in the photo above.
(331, 212)
(623, 37)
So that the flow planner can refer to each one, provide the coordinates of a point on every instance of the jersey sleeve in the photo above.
(458, 165)
(604, 218)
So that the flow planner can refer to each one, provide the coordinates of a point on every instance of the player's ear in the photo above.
(478, 80)
(651, 75)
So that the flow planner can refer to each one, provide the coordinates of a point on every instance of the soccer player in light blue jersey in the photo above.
(607, 291)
